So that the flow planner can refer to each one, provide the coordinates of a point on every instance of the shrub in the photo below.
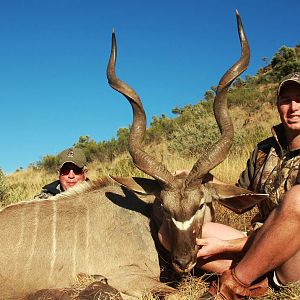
(49, 163)
(4, 189)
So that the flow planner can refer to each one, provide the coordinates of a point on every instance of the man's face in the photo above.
(70, 175)
(289, 108)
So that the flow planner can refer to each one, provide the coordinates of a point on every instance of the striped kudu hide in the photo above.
(90, 229)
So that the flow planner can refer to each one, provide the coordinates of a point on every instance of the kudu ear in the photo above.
(235, 198)
(139, 185)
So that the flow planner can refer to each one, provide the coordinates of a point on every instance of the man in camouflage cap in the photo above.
(71, 170)
(273, 245)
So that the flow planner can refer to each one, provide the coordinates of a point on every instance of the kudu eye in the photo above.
(201, 206)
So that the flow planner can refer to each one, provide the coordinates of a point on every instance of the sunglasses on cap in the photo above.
(66, 170)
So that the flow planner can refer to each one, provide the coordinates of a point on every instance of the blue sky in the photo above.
(53, 57)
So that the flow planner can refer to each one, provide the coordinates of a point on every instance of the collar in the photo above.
(53, 187)
(279, 135)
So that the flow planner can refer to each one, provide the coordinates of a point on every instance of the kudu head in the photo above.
(184, 200)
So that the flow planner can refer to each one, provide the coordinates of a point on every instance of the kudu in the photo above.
(93, 229)
(104, 230)
(186, 202)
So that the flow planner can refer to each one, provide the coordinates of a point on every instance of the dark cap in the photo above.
(72, 155)
(293, 77)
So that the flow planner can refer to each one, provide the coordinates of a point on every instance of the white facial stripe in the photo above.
(183, 225)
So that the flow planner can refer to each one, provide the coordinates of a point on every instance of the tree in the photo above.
(89, 147)
(284, 61)
(123, 136)
(177, 110)
(49, 163)
(265, 59)
(239, 82)
(297, 50)
(209, 95)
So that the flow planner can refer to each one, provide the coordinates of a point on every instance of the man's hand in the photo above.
(210, 246)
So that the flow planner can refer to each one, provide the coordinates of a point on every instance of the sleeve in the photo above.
(246, 178)
(42, 195)
(49, 190)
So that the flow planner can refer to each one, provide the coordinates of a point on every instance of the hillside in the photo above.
(178, 141)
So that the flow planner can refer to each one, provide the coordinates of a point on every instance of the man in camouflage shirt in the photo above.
(72, 170)
(271, 169)
(273, 246)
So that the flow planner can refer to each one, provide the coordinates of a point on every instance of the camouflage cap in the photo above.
(73, 155)
(294, 77)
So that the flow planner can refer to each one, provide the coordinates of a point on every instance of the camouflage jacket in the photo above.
(49, 190)
(272, 169)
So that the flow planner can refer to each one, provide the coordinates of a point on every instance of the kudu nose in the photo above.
(183, 264)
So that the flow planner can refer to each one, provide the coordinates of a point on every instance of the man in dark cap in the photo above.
(71, 169)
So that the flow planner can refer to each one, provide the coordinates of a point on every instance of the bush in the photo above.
(48, 163)
(285, 61)
(4, 188)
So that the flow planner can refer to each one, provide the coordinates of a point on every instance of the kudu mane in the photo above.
(77, 190)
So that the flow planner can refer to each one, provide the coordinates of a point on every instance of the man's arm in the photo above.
(213, 246)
